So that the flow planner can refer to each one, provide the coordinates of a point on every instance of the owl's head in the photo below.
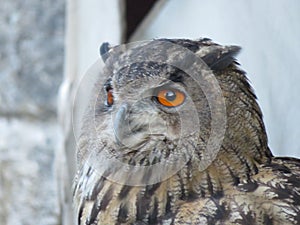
(172, 103)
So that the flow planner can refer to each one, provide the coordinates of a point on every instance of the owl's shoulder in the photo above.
(271, 197)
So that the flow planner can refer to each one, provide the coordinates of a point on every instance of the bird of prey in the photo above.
(174, 135)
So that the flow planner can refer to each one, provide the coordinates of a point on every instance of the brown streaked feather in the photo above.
(272, 197)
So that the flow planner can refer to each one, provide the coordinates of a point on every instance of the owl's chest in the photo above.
(269, 200)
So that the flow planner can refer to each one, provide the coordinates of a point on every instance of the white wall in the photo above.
(269, 33)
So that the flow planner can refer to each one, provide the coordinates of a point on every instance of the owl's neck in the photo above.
(224, 173)
(233, 166)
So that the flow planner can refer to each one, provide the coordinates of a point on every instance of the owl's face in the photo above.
(148, 112)
(166, 106)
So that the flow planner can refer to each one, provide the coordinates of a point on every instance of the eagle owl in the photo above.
(173, 134)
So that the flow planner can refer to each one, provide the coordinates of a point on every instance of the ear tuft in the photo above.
(220, 58)
(104, 49)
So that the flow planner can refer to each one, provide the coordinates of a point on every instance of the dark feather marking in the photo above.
(132, 162)
(268, 220)
(247, 219)
(89, 172)
(173, 219)
(219, 59)
(221, 213)
(296, 198)
(106, 199)
(243, 161)
(218, 194)
(177, 76)
(150, 189)
(76, 187)
(182, 187)
(94, 213)
(123, 214)
(250, 186)
(192, 196)
(189, 165)
(267, 153)
(154, 214)
(144, 200)
(124, 191)
(209, 184)
(202, 192)
(97, 188)
(297, 217)
(80, 213)
(293, 180)
(235, 179)
(255, 168)
(280, 167)
(142, 206)
(282, 192)
(168, 204)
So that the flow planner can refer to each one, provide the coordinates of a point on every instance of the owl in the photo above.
(174, 135)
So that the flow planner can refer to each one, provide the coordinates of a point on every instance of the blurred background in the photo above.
(47, 46)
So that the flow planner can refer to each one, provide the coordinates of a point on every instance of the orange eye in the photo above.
(170, 97)
(110, 97)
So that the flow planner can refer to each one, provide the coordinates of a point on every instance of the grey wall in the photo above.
(31, 69)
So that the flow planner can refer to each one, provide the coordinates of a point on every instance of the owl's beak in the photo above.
(124, 135)
(119, 126)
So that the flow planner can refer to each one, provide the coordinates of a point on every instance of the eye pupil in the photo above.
(170, 96)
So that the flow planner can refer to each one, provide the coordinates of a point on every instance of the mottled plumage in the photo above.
(128, 121)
